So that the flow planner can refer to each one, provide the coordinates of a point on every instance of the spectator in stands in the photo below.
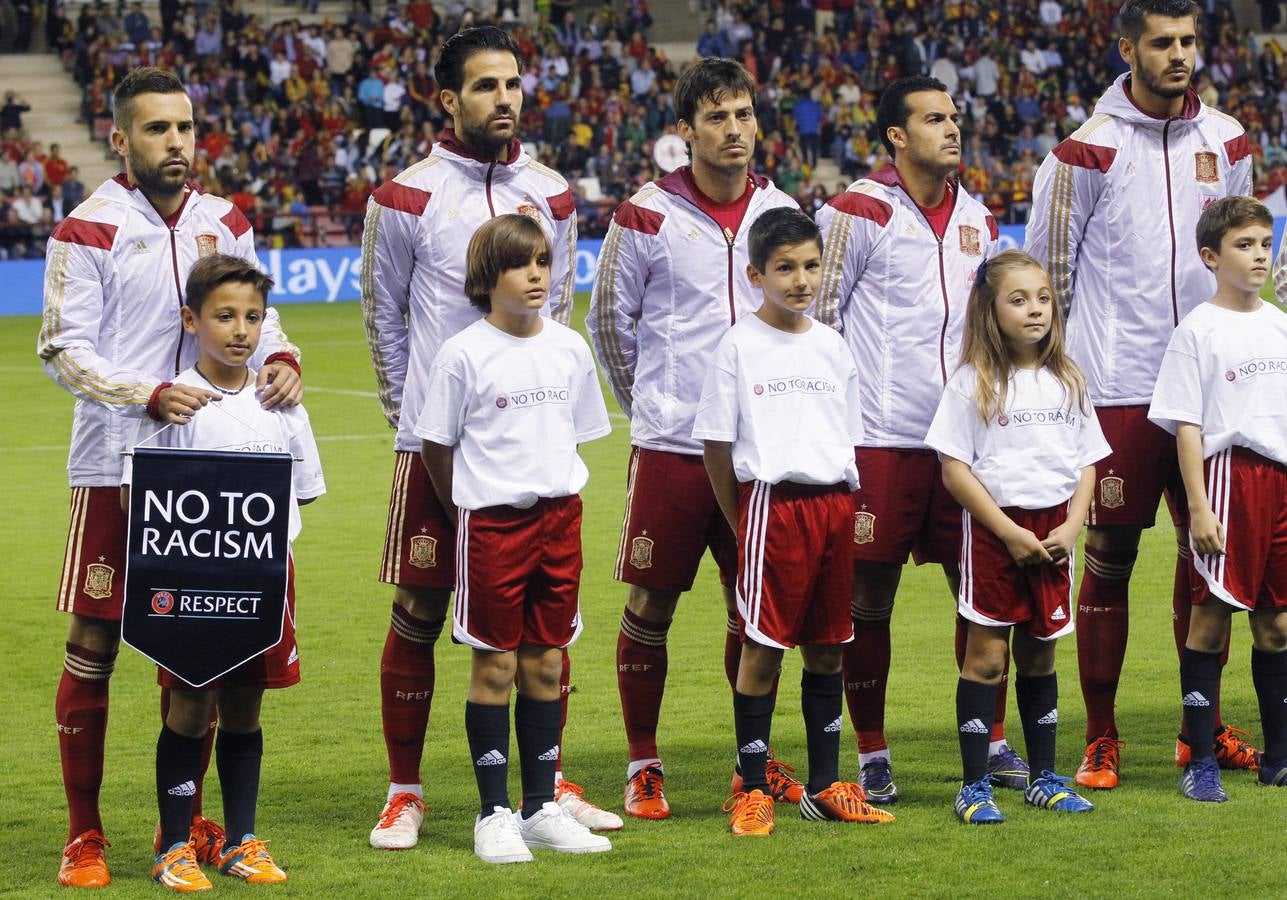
(710, 43)
(55, 166)
(73, 189)
(807, 113)
(27, 206)
(9, 178)
(11, 112)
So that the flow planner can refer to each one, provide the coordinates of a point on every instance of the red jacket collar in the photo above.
(889, 176)
(679, 182)
(1192, 103)
(447, 138)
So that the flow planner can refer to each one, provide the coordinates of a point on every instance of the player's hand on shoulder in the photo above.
(279, 385)
(1025, 548)
(178, 403)
(1206, 531)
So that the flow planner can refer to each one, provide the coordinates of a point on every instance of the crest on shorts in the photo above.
(970, 245)
(424, 551)
(1111, 492)
(641, 553)
(1205, 168)
(98, 580)
(207, 244)
(864, 527)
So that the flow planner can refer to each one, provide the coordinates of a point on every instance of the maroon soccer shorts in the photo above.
(995, 590)
(518, 575)
(419, 537)
(93, 579)
(1132, 479)
(795, 563)
(902, 508)
(1248, 494)
(672, 517)
(277, 667)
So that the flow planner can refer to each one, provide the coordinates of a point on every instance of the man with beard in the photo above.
(1115, 209)
(418, 227)
(902, 248)
(672, 278)
(111, 336)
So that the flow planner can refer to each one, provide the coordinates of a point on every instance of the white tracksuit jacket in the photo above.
(669, 283)
(1114, 215)
(418, 227)
(111, 330)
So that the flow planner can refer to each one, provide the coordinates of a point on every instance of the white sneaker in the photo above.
(497, 838)
(554, 828)
(399, 825)
(569, 796)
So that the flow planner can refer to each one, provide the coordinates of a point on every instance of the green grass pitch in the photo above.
(325, 772)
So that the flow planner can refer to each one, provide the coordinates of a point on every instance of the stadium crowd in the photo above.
(299, 123)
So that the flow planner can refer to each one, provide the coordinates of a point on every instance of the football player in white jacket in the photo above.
(1115, 208)
(111, 335)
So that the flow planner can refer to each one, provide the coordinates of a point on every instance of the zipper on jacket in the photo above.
(942, 332)
(1170, 216)
(732, 308)
(178, 293)
(490, 208)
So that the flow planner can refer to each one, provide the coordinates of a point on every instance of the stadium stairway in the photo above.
(54, 98)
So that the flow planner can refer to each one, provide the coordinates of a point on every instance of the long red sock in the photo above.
(406, 691)
(80, 710)
(866, 672)
(998, 724)
(207, 749)
(565, 694)
(641, 680)
(1102, 628)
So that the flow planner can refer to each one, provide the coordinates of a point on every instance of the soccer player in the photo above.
(413, 273)
(509, 399)
(112, 337)
(224, 307)
(779, 418)
(1113, 207)
(1018, 442)
(902, 247)
(1222, 390)
(671, 280)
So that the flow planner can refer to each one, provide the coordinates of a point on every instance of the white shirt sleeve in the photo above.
(1177, 395)
(1091, 444)
(443, 418)
(590, 414)
(716, 418)
(954, 429)
(306, 470)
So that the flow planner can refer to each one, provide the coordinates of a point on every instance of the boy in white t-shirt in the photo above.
(779, 417)
(510, 398)
(1222, 391)
(224, 303)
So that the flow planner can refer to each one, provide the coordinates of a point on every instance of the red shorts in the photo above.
(419, 534)
(1249, 496)
(518, 575)
(672, 517)
(1133, 478)
(276, 667)
(795, 563)
(93, 582)
(902, 508)
(995, 590)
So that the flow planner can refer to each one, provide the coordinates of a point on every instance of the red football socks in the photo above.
(81, 712)
(406, 691)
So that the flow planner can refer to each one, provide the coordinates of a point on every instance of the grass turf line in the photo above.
(325, 772)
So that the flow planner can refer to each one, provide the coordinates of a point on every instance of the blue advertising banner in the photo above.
(334, 274)
(206, 575)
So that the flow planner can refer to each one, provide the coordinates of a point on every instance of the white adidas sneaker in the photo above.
(570, 797)
(497, 838)
(554, 828)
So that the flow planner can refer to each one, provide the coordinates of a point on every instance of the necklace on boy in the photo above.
(227, 393)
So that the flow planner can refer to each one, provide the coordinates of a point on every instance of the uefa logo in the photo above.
(162, 602)
(501, 403)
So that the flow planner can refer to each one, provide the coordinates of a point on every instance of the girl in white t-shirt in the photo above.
(1018, 442)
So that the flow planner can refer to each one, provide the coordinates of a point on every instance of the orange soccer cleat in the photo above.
(83, 863)
(783, 785)
(250, 862)
(752, 814)
(645, 798)
(1232, 751)
(842, 802)
(1099, 769)
(177, 869)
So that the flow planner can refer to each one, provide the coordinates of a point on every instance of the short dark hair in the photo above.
(450, 68)
(1133, 13)
(213, 271)
(893, 111)
(503, 243)
(1229, 213)
(710, 79)
(782, 226)
(143, 80)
